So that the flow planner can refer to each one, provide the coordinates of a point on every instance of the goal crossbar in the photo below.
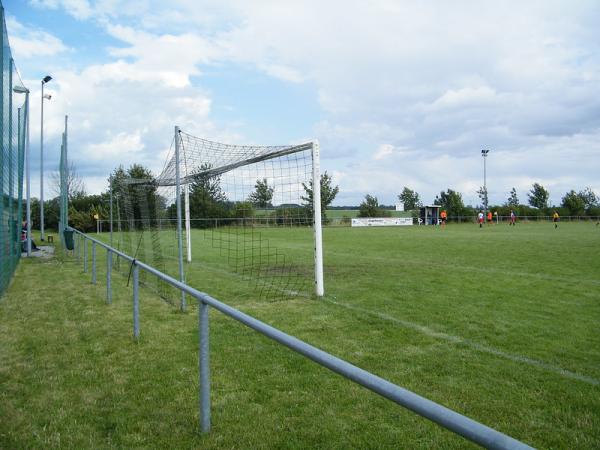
(168, 177)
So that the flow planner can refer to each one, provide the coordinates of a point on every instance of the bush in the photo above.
(291, 215)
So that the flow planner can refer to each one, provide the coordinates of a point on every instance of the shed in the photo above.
(429, 215)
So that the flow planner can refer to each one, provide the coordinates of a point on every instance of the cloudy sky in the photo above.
(399, 93)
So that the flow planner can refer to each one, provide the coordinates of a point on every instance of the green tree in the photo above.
(513, 200)
(589, 197)
(137, 188)
(75, 185)
(538, 196)
(207, 199)
(328, 194)
(410, 199)
(483, 196)
(262, 195)
(452, 202)
(574, 203)
(243, 210)
(370, 208)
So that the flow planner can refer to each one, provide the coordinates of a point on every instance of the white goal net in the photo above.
(230, 218)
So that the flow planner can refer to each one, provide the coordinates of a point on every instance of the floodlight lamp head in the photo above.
(20, 90)
(46, 79)
(47, 96)
(484, 152)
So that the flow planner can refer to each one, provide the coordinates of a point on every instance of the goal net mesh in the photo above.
(246, 218)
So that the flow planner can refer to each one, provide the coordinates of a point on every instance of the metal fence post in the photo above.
(108, 274)
(84, 255)
(93, 262)
(136, 302)
(204, 362)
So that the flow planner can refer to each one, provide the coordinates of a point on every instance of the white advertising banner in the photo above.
(381, 222)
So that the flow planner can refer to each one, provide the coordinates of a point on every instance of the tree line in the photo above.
(208, 200)
(584, 202)
(137, 190)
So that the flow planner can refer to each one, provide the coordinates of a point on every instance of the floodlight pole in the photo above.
(66, 168)
(484, 153)
(11, 173)
(110, 189)
(45, 80)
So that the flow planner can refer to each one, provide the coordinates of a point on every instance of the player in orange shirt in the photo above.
(444, 217)
(489, 217)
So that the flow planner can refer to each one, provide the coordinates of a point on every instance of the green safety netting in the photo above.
(14, 116)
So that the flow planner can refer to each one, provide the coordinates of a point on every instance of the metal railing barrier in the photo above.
(447, 418)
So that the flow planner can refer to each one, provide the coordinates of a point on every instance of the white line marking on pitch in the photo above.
(482, 348)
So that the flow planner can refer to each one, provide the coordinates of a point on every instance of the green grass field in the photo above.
(500, 324)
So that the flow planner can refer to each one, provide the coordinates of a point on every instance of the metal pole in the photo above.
(20, 145)
(484, 153)
(66, 138)
(28, 181)
(111, 213)
(485, 184)
(93, 262)
(42, 167)
(319, 285)
(136, 301)
(188, 231)
(179, 231)
(108, 274)
(11, 172)
(84, 255)
(204, 360)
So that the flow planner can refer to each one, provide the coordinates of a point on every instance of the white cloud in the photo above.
(282, 72)
(465, 97)
(80, 9)
(383, 151)
(123, 145)
(172, 58)
(29, 43)
(441, 79)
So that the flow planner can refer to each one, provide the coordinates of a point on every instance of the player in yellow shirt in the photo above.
(555, 219)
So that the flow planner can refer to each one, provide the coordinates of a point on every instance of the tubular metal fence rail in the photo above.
(447, 418)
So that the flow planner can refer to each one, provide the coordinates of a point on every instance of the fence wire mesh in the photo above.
(14, 115)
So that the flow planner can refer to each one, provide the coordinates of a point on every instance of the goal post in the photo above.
(199, 158)
(318, 231)
(178, 205)
(243, 218)
(188, 230)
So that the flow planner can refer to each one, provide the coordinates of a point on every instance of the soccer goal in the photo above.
(247, 214)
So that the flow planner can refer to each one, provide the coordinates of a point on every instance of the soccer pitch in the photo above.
(499, 324)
